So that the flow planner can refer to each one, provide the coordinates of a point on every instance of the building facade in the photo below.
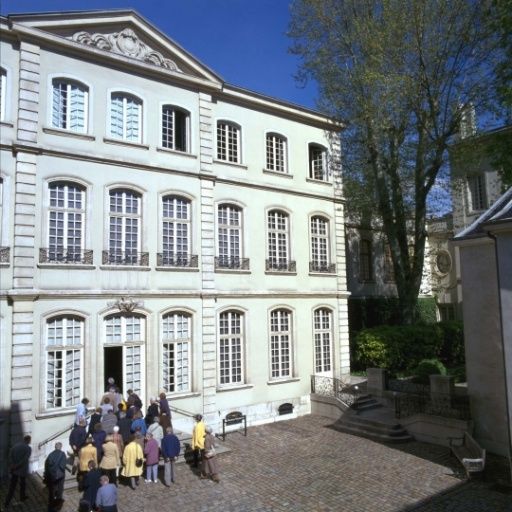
(161, 227)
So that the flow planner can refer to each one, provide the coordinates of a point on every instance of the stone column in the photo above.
(377, 381)
(24, 251)
(209, 345)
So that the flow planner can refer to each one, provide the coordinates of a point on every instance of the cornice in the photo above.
(146, 167)
(120, 295)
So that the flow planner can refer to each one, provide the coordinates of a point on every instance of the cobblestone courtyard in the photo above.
(303, 465)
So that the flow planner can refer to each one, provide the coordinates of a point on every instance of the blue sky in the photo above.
(244, 41)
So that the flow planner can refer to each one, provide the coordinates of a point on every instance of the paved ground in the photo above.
(303, 465)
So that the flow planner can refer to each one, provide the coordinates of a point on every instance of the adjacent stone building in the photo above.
(161, 227)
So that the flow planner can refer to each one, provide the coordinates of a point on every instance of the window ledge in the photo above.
(325, 274)
(280, 273)
(231, 271)
(5, 265)
(234, 388)
(125, 267)
(319, 182)
(66, 266)
(282, 381)
(283, 174)
(182, 395)
(6, 123)
(175, 152)
(121, 142)
(67, 411)
(68, 133)
(231, 164)
(178, 269)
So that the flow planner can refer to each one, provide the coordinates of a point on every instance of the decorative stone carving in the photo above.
(126, 43)
(126, 305)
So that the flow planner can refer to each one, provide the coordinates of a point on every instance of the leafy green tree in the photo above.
(400, 74)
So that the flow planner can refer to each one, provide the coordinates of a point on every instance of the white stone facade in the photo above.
(161, 226)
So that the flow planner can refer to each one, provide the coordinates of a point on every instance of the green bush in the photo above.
(452, 350)
(398, 348)
(427, 367)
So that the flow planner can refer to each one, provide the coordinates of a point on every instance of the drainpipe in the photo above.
(493, 238)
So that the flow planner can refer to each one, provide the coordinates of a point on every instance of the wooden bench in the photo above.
(469, 453)
(234, 418)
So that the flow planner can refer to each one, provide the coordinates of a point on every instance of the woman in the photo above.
(87, 454)
(152, 453)
(210, 468)
(98, 439)
(132, 454)
(137, 423)
(91, 484)
(156, 431)
(111, 460)
(118, 440)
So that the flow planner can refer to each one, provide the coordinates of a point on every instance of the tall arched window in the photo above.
(230, 237)
(70, 103)
(176, 232)
(125, 228)
(64, 342)
(176, 345)
(317, 162)
(126, 117)
(125, 335)
(3, 93)
(231, 348)
(281, 343)
(66, 222)
(276, 152)
(320, 250)
(175, 127)
(228, 142)
(322, 333)
(278, 238)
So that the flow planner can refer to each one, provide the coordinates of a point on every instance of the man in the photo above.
(106, 497)
(54, 473)
(77, 439)
(153, 411)
(81, 411)
(170, 451)
(198, 439)
(19, 456)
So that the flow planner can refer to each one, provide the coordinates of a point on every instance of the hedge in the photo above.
(402, 348)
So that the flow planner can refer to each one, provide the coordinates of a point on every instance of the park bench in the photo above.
(469, 453)
(234, 418)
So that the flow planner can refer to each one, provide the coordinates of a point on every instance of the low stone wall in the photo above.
(435, 429)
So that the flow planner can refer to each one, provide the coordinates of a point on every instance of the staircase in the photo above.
(370, 419)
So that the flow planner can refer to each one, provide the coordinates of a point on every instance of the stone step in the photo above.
(365, 403)
(381, 437)
(356, 420)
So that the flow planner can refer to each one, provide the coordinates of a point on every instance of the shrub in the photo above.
(397, 348)
(452, 350)
(428, 367)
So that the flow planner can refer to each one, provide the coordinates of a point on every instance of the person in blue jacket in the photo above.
(170, 449)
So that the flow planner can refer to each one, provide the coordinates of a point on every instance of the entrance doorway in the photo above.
(113, 366)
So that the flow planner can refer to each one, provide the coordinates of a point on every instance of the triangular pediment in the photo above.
(122, 33)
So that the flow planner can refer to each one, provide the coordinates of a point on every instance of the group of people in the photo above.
(117, 440)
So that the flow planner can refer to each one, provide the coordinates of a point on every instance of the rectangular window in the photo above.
(319, 244)
(278, 235)
(229, 227)
(280, 343)
(176, 231)
(477, 192)
(230, 348)
(3, 93)
(365, 260)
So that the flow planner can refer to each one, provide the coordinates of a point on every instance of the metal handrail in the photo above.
(183, 412)
(58, 434)
(334, 388)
